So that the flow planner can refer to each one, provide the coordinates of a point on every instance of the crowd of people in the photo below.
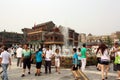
(105, 56)
(25, 56)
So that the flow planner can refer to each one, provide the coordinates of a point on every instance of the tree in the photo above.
(109, 41)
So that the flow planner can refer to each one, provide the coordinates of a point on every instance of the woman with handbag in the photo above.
(105, 60)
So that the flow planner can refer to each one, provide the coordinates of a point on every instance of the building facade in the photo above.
(71, 39)
(41, 35)
(11, 38)
(115, 36)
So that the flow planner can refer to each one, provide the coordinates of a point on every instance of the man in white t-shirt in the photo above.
(113, 54)
(48, 57)
(19, 55)
(5, 61)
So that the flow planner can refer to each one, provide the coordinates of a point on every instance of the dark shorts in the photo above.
(26, 63)
(118, 67)
(104, 62)
(98, 59)
(74, 68)
(38, 65)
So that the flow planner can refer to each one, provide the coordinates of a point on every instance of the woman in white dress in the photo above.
(57, 60)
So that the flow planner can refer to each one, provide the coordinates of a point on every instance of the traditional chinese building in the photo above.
(10, 38)
(54, 39)
(45, 34)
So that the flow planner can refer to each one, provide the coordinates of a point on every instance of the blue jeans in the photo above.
(4, 67)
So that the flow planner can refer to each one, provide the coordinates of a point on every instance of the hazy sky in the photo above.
(85, 16)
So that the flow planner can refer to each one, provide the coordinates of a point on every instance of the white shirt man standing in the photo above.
(48, 56)
(19, 55)
(5, 61)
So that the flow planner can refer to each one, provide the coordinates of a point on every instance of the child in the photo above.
(57, 60)
(79, 58)
(74, 67)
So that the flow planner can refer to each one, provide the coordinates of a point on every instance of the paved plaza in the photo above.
(15, 72)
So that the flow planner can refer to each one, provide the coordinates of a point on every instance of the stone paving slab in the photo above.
(15, 72)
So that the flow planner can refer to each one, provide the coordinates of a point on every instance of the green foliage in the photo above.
(109, 41)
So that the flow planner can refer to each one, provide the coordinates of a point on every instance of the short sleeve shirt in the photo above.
(48, 55)
(26, 53)
(57, 56)
(39, 56)
(5, 57)
(79, 57)
(83, 52)
(75, 57)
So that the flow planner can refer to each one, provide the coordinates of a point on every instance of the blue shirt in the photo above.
(75, 58)
(39, 56)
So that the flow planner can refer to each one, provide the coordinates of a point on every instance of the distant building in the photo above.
(115, 36)
(82, 38)
(10, 38)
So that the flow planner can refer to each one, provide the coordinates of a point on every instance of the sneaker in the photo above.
(35, 74)
(98, 69)
(106, 77)
(23, 75)
(28, 72)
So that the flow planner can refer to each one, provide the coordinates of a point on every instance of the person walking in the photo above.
(48, 57)
(117, 59)
(83, 56)
(113, 55)
(98, 55)
(57, 60)
(105, 60)
(19, 55)
(12, 52)
(38, 56)
(26, 59)
(79, 58)
(5, 62)
(74, 62)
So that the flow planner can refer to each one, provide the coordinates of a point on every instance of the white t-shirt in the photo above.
(57, 56)
(19, 52)
(105, 55)
(113, 48)
(48, 55)
(5, 57)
